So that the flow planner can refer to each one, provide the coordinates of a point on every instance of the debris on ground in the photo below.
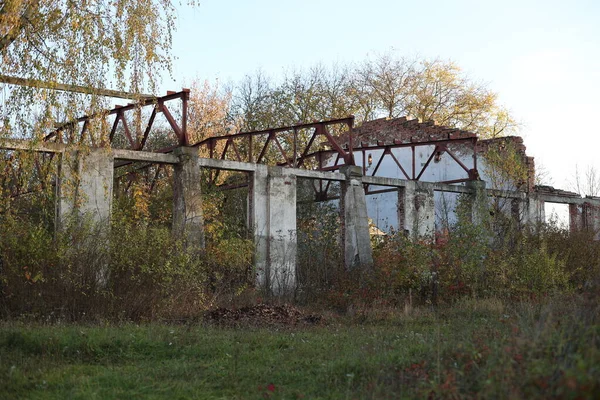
(261, 315)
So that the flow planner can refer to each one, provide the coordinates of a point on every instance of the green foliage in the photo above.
(469, 261)
(383, 86)
(505, 166)
(134, 271)
(320, 262)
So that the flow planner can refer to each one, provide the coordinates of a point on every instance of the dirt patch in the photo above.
(261, 315)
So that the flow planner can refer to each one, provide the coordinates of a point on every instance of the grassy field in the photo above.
(483, 349)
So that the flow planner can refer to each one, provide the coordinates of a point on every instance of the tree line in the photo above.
(385, 86)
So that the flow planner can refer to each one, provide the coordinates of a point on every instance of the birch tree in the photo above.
(119, 44)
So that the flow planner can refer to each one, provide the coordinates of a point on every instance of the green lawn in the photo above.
(479, 349)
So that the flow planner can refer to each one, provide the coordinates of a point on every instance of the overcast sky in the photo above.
(541, 57)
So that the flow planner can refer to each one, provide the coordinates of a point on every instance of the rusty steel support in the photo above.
(119, 113)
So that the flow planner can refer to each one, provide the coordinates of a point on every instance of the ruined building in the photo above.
(399, 173)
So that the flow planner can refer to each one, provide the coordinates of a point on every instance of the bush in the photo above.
(468, 261)
(134, 271)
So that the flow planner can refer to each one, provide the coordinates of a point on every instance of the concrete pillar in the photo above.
(479, 202)
(85, 186)
(576, 217)
(258, 223)
(272, 218)
(416, 209)
(84, 193)
(356, 238)
(591, 217)
(535, 212)
(517, 211)
(188, 219)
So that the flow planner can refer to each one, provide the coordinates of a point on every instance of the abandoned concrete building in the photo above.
(406, 149)
(395, 172)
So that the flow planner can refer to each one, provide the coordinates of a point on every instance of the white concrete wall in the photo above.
(382, 208)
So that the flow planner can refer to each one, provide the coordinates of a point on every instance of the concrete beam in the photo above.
(118, 154)
(548, 198)
(28, 145)
(506, 194)
(227, 165)
(384, 181)
(329, 176)
(145, 156)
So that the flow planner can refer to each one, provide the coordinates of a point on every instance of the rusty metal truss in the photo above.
(297, 146)
(76, 131)
(323, 145)
(292, 148)
(319, 149)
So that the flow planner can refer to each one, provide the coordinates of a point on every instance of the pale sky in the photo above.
(541, 57)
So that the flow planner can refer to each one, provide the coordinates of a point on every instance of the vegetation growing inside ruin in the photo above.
(483, 310)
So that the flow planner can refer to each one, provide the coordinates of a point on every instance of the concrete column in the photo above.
(85, 186)
(535, 212)
(416, 209)
(591, 217)
(84, 193)
(516, 211)
(258, 222)
(355, 221)
(479, 202)
(272, 218)
(282, 231)
(188, 219)
(576, 217)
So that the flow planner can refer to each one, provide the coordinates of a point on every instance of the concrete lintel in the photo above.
(145, 156)
(330, 176)
(507, 194)
(29, 145)
(446, 187)
(384, 181)
(547, 198)
(227, 165)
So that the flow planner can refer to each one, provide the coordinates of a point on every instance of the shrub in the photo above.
(133, 271)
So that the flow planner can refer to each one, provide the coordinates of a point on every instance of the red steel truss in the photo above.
(323, 145)
(77, 129)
